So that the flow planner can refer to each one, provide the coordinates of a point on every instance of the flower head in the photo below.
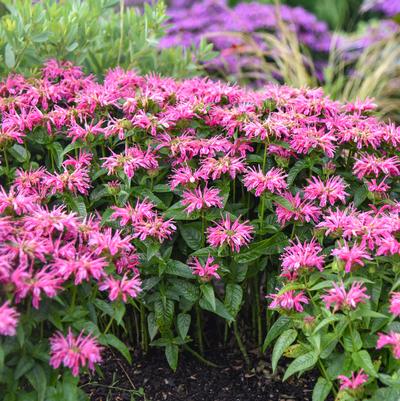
(299, 257)
(273, 180)
(8, 320)
(207, 271)
(74, 352)
(353, 382)
(343, 300)
(288, 300)
(234, 234)
(199, 199)
(392, 339)
(394, 307)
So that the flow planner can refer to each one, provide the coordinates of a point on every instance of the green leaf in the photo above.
(277, 328)
(171, 352)
(220, 309)
(352, 341)
(233, 298)
(183, 324)
(186, 289)
(37, 378)
(2, 357)
(177, 268)
(25, 364)
(284, 341)
(192, 235)
(321, 389)
(19, 153)
(295, 170)
(110, 339)
(363, 360)
(9, 56)
(269, 246)
(302, 363)
(152, 325)
(209, 296)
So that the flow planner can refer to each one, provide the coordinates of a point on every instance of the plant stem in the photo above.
(198, 330)
(143, 328)
(108, 325)
(259, 323)
(240, 343)
(199, 357)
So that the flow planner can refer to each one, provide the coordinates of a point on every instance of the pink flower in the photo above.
(234, 234)
(392, 339)
(299, 257)
(395, 304)
(273, 180)
(299, 211)
(129, 161)
(328, 192)
(8, 320)
(373, 165)
(121, 289)
(343, 300)
(184, 176)
(288, 300)
(74, 352)
(128, 214)
(353, 382)
(353, 256)
(207, 271)
(199, 199)
(374, 186)
(154, 227)
(215, 168)
(109, 242)
(83, 267)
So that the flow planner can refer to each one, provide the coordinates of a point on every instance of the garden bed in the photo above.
(193, 380)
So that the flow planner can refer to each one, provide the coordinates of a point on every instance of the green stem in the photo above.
(108, 325)
(259, 323)
(240, 343)
(325, 375)
(121, 22)
(203, 229)
(198, 330)
(143, 328)
(199, 357)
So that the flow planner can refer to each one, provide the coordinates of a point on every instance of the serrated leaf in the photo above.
(284, 341)
(220, 309)
(269, 246)
(37, 378)
(277, 328)
(171, 353)
(233, 298)
(192, 235)
(302, 363)
(177, 268)
(9, 56)
(152, 325)
(110, 339)
(208, 294)
(321, 389)
(363, 360)
(183, 324)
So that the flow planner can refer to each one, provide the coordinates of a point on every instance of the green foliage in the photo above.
(97, 34)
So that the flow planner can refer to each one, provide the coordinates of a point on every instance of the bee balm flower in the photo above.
(74, 352)
(8, 320)
(353, 382)
(207, 271)
(234, 234)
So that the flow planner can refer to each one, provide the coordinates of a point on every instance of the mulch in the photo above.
(150, 379)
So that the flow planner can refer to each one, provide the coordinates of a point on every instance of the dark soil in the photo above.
(149, 378)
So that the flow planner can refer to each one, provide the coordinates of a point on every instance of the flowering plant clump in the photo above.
(134, 209)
